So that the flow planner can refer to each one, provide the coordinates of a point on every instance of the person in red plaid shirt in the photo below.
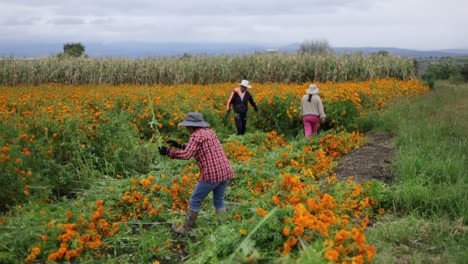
(215, 170)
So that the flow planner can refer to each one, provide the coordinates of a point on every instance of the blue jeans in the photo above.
(202, 189)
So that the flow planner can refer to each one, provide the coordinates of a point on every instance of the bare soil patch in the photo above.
(372, 161)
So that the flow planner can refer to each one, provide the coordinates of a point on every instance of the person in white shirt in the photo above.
(312, 111)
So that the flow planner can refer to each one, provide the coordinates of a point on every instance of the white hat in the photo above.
(245, 83)
(313, 89)
(194, 119)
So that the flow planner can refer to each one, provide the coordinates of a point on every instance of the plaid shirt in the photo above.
(205, 147)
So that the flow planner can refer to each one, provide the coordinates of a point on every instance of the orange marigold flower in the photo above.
(35, 251)
(243, 231)
(261, 211)
(370, 252)
(275, 199)
(332, 255)
(99, 203)
(292, 241)
(341, 236)
(312, 204)
(357, 190)
(298, 230)
(5, 150)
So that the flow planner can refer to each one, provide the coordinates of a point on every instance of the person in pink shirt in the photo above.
(215, 170)
(312, 111)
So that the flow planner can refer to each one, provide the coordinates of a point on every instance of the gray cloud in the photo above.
(101, 21)
(66, 21)
(422, 24)
(19, 21)
(188, 7)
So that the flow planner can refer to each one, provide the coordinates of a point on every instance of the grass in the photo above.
(412, 239)
(429, 196)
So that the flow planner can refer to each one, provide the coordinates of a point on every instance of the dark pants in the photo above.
(241, 123)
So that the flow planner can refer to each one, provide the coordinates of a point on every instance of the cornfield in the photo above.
(260, 68)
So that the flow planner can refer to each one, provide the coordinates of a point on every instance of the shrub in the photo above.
(443, 69)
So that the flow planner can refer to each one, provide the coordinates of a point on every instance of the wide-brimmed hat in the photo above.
(194, 119)
(313, 89)
(245, 83)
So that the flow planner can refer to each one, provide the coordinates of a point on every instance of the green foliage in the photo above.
(412, 239)
(371, 121)
(76, 161)
(342, 115)
(464, 71)
(432, 141)
(149, 238)
(73, 50)
(456, 78)
(277, 120)
(263, 68)
(443, 69)
(431, 168)
(429, 197)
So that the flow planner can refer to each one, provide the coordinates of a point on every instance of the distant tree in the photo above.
(320, 47)
(446, 68)
(73, 50)
(382, 53)
(186, 56)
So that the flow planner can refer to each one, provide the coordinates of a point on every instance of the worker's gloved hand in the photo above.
(174, 144)
(164, 151)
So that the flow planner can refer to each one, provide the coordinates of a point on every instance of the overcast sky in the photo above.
(412, 24)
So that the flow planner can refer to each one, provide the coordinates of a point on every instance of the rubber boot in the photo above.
(189, 223)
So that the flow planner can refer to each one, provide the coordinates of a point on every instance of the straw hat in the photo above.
(313, 89)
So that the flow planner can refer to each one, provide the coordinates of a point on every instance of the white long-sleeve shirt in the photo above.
(314, 107)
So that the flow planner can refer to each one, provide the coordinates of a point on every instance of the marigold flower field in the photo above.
(94, 149)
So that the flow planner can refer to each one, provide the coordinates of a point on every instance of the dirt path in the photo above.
(372, 161)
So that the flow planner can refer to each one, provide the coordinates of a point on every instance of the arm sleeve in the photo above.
(229, 102)
(189, 150)
(252, 102)
(320, 108)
